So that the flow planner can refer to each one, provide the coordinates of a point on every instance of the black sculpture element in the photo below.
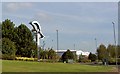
(37, 28)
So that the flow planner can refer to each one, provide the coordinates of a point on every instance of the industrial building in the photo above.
(77, 52)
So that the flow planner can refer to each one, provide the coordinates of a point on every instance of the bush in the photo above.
(67, 55)
(85, 60)
(25, 59)
(92, 57)
(0, 55)
(112, 61)
(51, 60)
(119, 61)
(8, 49)
(8, 57)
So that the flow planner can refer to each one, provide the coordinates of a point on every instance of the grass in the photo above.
(27, 66)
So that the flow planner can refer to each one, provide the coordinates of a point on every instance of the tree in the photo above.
(33, 48)
(8, 35)
(111, 51)
(67, 55)
(45, 54)
(0, 30)
(102, 52)
(118, 50)
(81, 57)
(92, 57)
(24, 41)
(8, 30)
(51, 54)
(8, 48)
(41, 53)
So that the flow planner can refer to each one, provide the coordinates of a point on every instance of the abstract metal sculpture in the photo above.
(39, 35)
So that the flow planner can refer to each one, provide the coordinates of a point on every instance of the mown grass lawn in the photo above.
(27, 66)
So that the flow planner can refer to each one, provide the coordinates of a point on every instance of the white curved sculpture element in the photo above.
(36, 27)
(38, 39)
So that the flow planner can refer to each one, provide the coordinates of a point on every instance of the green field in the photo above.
(27, 66)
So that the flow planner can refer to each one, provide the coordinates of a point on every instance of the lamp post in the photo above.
(74, 46)
(96, 48)
(52, 44)
(115, 44)
(57, 41)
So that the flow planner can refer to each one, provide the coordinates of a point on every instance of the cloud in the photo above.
(17, 6)
(67, 23)
(92, 19)
(41, 16)
(87, 23)
(77, 23)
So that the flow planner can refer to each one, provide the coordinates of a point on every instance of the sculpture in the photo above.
(39, 35)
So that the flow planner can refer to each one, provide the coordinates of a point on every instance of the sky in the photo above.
(77, 23)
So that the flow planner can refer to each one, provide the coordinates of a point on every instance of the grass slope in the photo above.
(26, 66)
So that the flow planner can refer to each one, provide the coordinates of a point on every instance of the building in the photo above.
(77, 52)
(60, 52)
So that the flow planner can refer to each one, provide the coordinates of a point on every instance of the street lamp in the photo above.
(115, 43)
(74, 46)
(96, 48)
(57, 40)
(96, 43)
(52, 44)
(38, 33)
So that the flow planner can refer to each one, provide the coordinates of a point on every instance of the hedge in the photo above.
(25, 59)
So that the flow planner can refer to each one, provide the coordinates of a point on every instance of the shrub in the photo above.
(26, 59)
(119, 61)
(67, 55)
(0, 55)
(92, 57)
(8, 49)
(112, 61)
(85, 60)
(8, 57)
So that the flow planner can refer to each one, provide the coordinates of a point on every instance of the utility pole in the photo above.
(115, 45)
(52, 44)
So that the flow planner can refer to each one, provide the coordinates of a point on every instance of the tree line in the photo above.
(106, 54)
(18, 41)
(109, 54)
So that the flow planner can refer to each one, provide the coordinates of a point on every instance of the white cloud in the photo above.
(41, 16)
(17, 6)
(84, 19)
(67, 28)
